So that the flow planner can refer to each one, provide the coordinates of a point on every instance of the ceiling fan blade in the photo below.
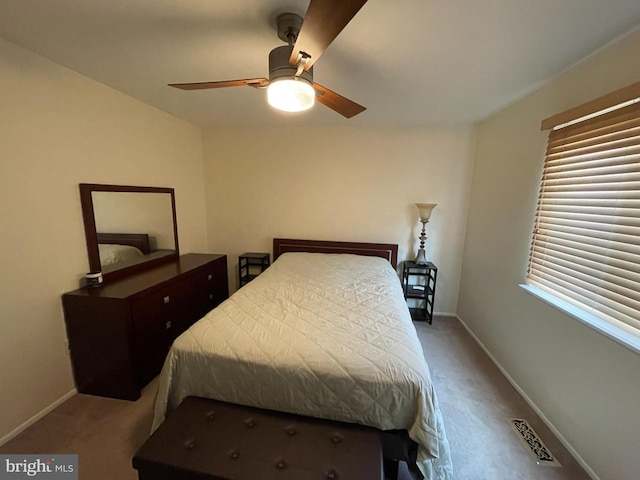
(252, 82)
(336, 102)
(324, 20)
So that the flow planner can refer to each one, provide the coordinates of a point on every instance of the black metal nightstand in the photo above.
(419, 285)
(250, 265)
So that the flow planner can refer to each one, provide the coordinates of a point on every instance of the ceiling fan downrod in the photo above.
(288, 27)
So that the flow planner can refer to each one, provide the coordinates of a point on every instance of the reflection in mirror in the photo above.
(128, 228)
(131, 225)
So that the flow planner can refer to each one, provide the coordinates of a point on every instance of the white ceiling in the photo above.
(410, 62)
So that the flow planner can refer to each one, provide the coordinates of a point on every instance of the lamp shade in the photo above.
(291, 94)
(425, 210)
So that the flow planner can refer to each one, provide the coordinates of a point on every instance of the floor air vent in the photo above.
(531, 440)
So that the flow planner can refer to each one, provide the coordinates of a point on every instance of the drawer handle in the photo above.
(209, 277)
(167, 325)
(167, 299)
(211, 296)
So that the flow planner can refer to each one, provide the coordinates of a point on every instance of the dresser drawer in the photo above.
(165, 305)
(210, 287)
(157, 319)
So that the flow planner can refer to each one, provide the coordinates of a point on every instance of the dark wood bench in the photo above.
(210, 440)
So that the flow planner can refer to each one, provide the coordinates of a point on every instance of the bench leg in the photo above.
(414, 471)
(390, 469)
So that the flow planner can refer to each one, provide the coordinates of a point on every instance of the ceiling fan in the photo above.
(290, 86)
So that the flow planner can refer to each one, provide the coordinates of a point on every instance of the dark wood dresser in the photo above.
(120, 333)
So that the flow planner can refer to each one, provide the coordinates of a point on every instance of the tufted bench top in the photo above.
(211, 440)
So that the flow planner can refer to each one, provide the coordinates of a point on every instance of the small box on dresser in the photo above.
(119, 334)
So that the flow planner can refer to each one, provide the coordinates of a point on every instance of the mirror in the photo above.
(128, 229)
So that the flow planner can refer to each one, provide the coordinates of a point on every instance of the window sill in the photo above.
(624, 335)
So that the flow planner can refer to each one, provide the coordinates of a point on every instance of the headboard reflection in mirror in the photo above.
(128, 229)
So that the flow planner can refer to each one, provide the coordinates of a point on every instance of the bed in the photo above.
(324, 332)
(120, 248)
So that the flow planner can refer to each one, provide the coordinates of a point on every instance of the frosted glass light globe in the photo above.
(291, 95)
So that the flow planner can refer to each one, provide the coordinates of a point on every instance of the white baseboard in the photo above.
(18, 430)
(444, 314)
(535, 408)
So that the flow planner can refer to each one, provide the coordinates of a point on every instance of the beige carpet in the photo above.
(475, 400)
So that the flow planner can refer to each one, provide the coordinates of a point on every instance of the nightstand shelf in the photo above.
(419, 286)
(250, 265)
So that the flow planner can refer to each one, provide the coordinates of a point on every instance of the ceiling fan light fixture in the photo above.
(290, 86)
(291, 94)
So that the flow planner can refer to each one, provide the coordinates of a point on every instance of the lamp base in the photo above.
(420, 258)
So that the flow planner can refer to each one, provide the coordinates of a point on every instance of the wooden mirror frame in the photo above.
(91, 234)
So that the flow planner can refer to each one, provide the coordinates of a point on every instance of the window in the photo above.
(586, 241)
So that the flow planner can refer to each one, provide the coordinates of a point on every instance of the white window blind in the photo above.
(586, 240)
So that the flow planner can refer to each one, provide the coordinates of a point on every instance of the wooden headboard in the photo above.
(388, 251)
(138, 240)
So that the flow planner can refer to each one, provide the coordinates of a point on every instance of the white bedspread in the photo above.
(111, 254)
(323, 335)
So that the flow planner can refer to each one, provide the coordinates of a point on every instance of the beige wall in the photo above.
(353, 184)
(585, 384)
(58, 129)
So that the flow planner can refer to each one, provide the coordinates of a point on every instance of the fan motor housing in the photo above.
(279, 65)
